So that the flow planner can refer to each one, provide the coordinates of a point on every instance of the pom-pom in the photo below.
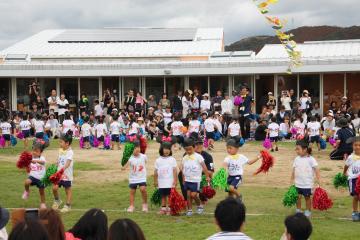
(24, 161)
(321, 200)
(128, 151)
(20, 135)
(322, 144)
(219, 180)
(177, 202)
(357, 186)
(293, 131)
(143, 144)
(156, 198)
(332, 141)
(267, 143)
(94, 142)
(241, 142)
(13, 140)
(300, 137)
(340, 180)
(208, 192)
(81, 142)
(206, 143)
(122, 138)
(107, 142)
(56, 177)
(238, 100)
(290, 197)
(52, 169)
(267, 162)
(2, 142)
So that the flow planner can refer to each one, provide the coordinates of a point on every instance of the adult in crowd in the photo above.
(271, 102)
(176, 102)
(152, 102)
(63, 107)
(333, 107)
(4, 219)
(216, 101)
(316, 111)
(328, 124)
(205, 104)
(29, 229)
(293, 97)
(125, 229)
(194, 104)
(164, 102)
(111, 105)
(129, 101)
(40, 104)
(245, 112)
(4, 111)
(33, 92)
(140, 103)
(305, 101)
(83, 104)
(230, 218)
(227, 105)
(52, 223)
(345, 105)
(92, 225)
(186, 103)
(52, 102)
(286, 101)
(343, 144)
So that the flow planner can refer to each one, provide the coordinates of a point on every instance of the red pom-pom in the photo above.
(24, 161)
(143, 144)
(357, 186)
(177, 202)
(267, 162)
(321, 200)
(56, 177)
(208, 192)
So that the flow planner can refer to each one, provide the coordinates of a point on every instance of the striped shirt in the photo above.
(229, 236)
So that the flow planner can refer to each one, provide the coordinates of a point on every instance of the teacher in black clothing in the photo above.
(130, 101)
(343, 145)
(176, 102)
(245, 112)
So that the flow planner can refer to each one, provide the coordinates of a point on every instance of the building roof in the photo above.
(120, 42)
(315, 50)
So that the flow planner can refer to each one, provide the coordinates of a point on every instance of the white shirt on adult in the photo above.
(226, 106)
(62, 111)
(285, 101)
(205, 105)
(53, 101)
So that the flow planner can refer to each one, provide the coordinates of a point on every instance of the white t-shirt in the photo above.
(192, 168)
(176, 128)
(273, 129)
(285, 101)
(313, 128)
(62, 111)
(25, 125)
(39, 126)
(304, 171)
(64, 157)
(194, 126)
(100, 128)
(137, 169)
(5, 128)
(304, 102)
(134, 128)
(53, 100)
(284, 128)
(226, 106)
(67, 125)
(353, 162)
(86, 130)
(300, 127)
(165, 168)
(115, 128)
(234, 129)
(229, 236)
(37, 170)
(209, 125)
(205, 105)
(235, 164)
(98, 110)
(167, 118)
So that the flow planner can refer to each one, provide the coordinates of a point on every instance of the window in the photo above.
(69, 86)
(353, 89)
(242, 80)
(199, 82)
(310, 82)
(174, 84)
(333, 89)
(5, 91)
(130, 83)
(22, 93)
(264, 85)
(219, 83)
(154, 86)
(111, 83)
(90, 86)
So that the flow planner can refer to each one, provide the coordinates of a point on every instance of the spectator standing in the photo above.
(52, 102)
(130, 101)
(205, 104)
(63, 107)
(245, 112)
(216, 101)
(164, 101)
(227, 105)
(176, 102)
(83, 104)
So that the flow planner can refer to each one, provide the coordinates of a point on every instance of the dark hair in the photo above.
(124, 229)
(177, 117)
(230, 214)
(115, 117)
(53, 224)
(313, 118)
(188, 142)
(29, 229)
(304, 145)
(92, 225)
(39, 144)
(136, 143)
(67, 116)
(67, 137)
(273, 119)
(298, 226)
(165, 145)
(38, 117)
(231, 142)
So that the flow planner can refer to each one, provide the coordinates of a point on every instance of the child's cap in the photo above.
(232, 143)
(188, 142)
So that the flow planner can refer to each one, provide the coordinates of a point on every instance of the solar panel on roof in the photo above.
(126, 35)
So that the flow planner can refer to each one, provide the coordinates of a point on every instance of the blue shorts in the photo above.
(315, 139)
(39, 135)
(234, 181)
(36, 182)
(86, 139)
(136, 185)
(26, 133)
(6, 137)
(164, 192)
(274, 139)
(65, 184)
(192, 186)
(352, 186)
(115, 137)
(210, 135)
(306, 192)
(179, 139)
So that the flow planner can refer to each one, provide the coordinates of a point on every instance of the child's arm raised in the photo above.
(254, 160)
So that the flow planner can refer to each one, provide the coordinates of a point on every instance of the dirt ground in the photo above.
(279, 175)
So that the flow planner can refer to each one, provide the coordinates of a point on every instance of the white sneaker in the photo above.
(65, 209)
(25, 195)
(200, 210)
(145, 208)
(56, 204)
(307, 213)
(189, 213)
(130, 209)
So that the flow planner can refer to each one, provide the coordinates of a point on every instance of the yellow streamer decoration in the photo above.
(285, 39)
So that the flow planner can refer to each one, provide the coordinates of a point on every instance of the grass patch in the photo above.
(87, 166)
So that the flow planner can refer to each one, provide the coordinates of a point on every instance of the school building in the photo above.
(157, 60)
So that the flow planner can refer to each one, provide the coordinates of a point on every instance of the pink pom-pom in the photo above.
(96, 142)
(20, 135)
(81, 142)
(267, 143)
(238, 100)
(332, 141)
(206, 143)
(293, 131)
(2, 141)
(107, 141)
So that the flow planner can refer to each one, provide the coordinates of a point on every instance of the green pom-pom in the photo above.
(219, 180)
(290, 197)
(203, 182)
(128, 151)
(340, 180)
(52, 169)
(156, 198)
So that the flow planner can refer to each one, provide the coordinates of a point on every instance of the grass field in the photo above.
(101, 184)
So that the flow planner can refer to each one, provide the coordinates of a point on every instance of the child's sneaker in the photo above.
(355, 216)
(200, 210)
(65, 209)
(56, 204)
(189, 213)
(43, 206)
(130, 209)
(25, 195)
(168, 211)
(145, 207)
(162, 211)
(307, 213)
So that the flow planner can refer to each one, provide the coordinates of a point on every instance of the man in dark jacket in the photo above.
(176, 102)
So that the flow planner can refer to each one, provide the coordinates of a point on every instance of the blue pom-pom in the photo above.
(322, 144)
(13, 140)
(122, 138)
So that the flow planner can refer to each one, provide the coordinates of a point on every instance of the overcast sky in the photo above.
(240, 18)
